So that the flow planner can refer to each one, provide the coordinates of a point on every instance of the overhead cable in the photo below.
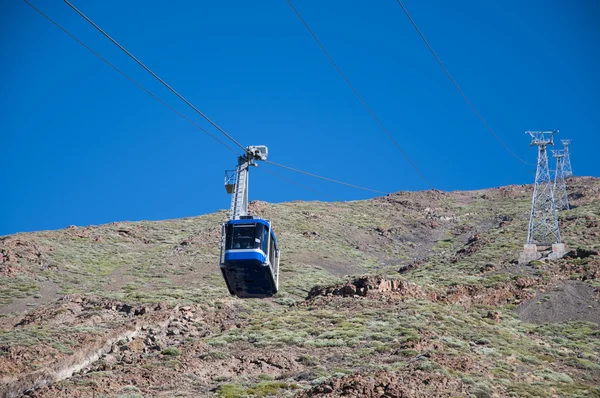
(487, 126)
(324, 178)
(192, 122)
(186, 118)
(295, 182)
(129, 78)
(156, 76)
(358, 95)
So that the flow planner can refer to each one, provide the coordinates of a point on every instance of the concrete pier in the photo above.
(529, 253)
(536, 252)
(558, 251)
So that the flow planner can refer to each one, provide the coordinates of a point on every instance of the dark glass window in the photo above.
(272, 253)
(240, 237)
(247, 236)
(264, 244)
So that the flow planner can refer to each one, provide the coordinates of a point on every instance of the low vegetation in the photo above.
(149, 298)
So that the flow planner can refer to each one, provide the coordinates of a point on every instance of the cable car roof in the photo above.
(250, 221)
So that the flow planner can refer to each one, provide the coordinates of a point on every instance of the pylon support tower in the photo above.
(543, 234)
(561, 200)
(236, 181)
(567, 171)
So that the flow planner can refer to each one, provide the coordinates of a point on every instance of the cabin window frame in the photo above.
(261, 238)
(264, 239)
(272, 250)
(231, 240)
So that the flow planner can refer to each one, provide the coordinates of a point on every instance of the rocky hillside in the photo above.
(415, 294)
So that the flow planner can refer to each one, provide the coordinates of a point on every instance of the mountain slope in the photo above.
(412, 294)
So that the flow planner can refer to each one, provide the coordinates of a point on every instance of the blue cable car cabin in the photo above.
(249, 258)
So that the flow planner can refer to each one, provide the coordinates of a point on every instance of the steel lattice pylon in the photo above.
(567, 171)
(543, 224)
(561, 200)
(236, 181)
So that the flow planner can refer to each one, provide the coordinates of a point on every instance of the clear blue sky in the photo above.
(81, 145)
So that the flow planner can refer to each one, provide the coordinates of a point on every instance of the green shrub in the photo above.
(217, 342)
(427, 365)
(174, 352)
(307, 360)
(586, 364)
(481, 390)
(269, 388)
(230, 391)
(319, 380)
(548, 374)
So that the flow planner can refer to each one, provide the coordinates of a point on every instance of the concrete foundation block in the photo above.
(558, 251)
(530, 253)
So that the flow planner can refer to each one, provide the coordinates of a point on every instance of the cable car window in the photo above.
(228, 236)
(258, 236)
(240, 237)
(247, 236)
(264, 245)
(272, 254)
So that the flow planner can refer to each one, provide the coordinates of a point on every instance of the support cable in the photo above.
(155, 76)
(192, 122)
(324, 178)
(129, 78)
(295, 182)
(487, 126)
(364, 103)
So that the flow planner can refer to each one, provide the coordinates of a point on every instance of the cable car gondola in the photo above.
(249, 258)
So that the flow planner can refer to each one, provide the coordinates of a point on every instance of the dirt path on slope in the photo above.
(566, 301)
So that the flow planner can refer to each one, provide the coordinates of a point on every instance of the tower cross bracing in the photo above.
(543, 223)
(567, 171)
(561, 200)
